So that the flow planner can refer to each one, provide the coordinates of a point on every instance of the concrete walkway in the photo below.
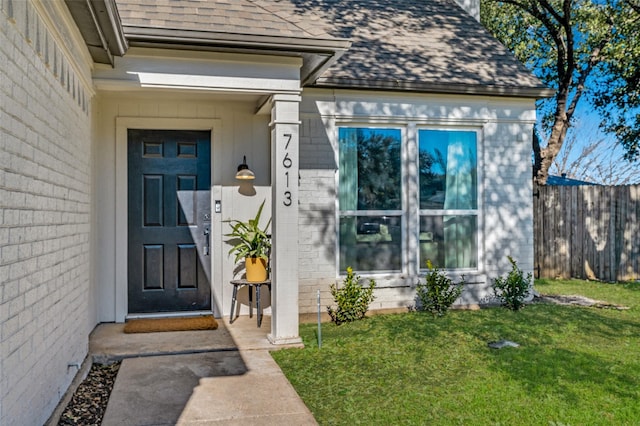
(226, 376)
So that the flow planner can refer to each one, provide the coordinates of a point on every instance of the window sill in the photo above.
(390, 280)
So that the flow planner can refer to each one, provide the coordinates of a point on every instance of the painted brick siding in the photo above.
(317, 231)
(45, 199)
(508, 207)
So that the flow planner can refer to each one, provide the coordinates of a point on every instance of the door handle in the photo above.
(205, 249)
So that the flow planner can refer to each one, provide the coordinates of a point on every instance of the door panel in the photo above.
(169, 209)
(153, 266)
(186, 196)
(187, 265)
(152, 196)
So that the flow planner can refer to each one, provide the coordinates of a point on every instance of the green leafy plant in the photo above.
(352, 298)
(438, 292)
(250, 240)
(513, 289)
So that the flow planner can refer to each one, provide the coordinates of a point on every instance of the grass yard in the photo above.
(575, 365)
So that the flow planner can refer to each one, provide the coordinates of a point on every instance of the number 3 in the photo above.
(287, 198)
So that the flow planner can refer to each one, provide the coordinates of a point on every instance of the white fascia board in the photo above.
(207, 71)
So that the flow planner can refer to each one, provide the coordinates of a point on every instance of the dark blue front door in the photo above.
(169, 210)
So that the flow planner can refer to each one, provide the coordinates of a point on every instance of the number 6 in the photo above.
(286, 161)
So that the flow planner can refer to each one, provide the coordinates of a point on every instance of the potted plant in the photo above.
(251, 243)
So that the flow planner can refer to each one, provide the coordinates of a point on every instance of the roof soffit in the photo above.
(99, 24)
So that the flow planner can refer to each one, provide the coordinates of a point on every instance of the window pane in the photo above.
(370, 169)
(448, 241)
(370, 243)
(448, 169)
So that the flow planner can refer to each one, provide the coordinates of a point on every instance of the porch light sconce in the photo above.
(244, 173)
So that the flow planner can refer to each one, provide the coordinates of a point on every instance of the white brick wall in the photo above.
(508, 198)
(317, 231)
(45, 216)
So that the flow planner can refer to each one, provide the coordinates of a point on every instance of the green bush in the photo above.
(352, 299)
(438, 292)
(512, 289)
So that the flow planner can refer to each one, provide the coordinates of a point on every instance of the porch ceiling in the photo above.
(212, 72)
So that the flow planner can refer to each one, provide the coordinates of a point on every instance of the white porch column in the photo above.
(285, 127)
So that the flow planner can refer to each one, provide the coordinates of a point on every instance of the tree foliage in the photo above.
(379, 177)
(379, 170)
(587, 50)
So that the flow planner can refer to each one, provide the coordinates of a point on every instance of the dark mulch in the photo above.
(89, 401)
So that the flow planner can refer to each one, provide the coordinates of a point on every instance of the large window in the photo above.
(448, 198)
(439, 173)
(370, 199)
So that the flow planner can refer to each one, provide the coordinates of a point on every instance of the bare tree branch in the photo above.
(594, 160)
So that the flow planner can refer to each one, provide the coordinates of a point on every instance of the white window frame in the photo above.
(477, 212)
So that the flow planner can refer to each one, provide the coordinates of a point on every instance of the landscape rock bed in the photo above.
(89, 401)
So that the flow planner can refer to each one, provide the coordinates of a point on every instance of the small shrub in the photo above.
(438, 292)
(512, 289)
(352, 299)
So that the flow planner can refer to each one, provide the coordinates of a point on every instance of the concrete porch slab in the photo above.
(224, 376)
(207, 388)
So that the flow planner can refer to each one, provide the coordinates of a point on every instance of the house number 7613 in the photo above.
(287, 162)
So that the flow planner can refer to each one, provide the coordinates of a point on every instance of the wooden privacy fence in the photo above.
(588, 232)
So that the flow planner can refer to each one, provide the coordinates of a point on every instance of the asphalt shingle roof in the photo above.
(394, 42)
(221, 16)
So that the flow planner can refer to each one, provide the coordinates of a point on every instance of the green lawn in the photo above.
(575, 366)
